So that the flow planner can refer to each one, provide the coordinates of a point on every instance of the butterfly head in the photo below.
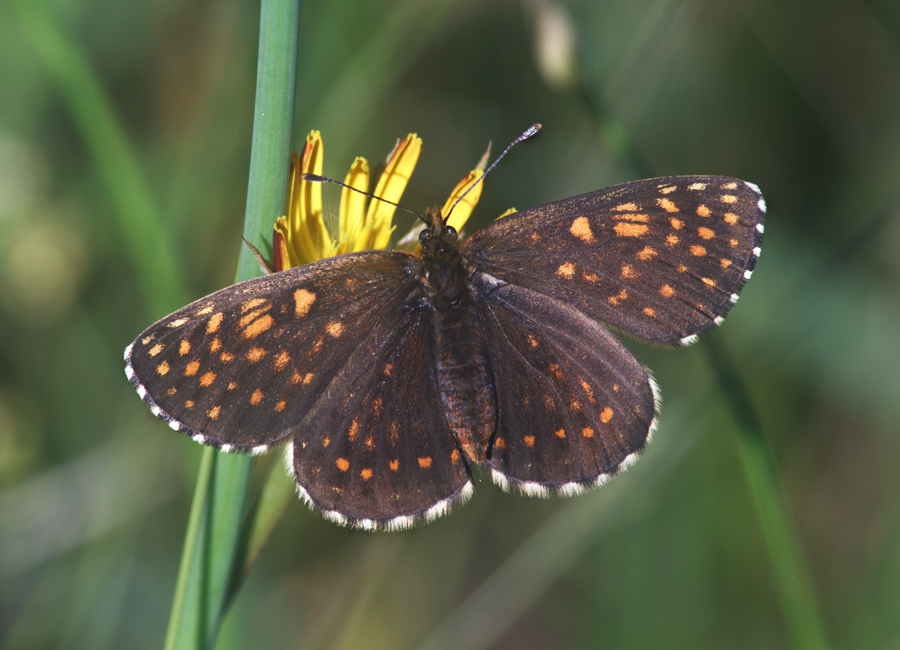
(444, 269)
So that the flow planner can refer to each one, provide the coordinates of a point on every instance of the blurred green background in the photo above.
(800, 97)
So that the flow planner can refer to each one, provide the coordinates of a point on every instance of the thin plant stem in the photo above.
(210, 551)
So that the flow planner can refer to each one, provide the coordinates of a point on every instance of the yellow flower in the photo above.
(301, 236)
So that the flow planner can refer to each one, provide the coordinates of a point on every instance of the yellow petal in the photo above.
(307, 237)
(400, 166)
(507, 213)
(464, 208)
(353, 208)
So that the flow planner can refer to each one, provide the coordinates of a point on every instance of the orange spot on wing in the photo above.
(672, 240)
(626, 207)
(280, 406)
(162, 368)
(207, 379)
(454, 455)
(666, 291)
(529, 441)
(728, 198)
(703, 211)
(561, 433)
(184, 347)
(614, 300)
(212, 325)
(499, 443)
(303, 300)
(258, 326)
(649, 311)
(425, 462)
(731, 218)
(586, 387)
(256, 397)
(587, 432)
(342, 464)
(214, 345)
(606, 415)
(706, 233)
(366, 474)
(630, 229)
(213, 413)
(581, 228)
(677, 224)
(395, 465)
(627, 271)
(335, 329)
(566, 270)
(251, 304)
(191, 369)
(156, 349)
(255, 354)
(281, 360)
(645, 254)
(667, 205)
(698, 251)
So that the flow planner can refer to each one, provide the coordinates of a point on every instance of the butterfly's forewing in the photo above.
(337, 355)
(241, 368)
(573, 405)
(661, 259)
(376, 451)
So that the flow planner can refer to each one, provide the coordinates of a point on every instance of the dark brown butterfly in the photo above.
(390, 375)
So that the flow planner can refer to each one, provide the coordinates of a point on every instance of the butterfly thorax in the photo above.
(463, 370)
(445, 271)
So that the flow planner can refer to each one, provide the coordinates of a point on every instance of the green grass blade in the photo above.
(210, 552)
(789, 570)
(135, 211)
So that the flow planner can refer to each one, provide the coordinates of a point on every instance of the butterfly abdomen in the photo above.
(464, 377)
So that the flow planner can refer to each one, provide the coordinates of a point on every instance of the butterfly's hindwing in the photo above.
(376, 451)
(241, 368)
(573, 405)
(662, 259)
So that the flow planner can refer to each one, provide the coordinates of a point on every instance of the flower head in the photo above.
(301, 236)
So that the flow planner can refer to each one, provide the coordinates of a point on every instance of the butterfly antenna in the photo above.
(314, 178)
(529, 132)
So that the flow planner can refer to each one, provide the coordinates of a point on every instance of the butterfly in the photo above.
(389, 376)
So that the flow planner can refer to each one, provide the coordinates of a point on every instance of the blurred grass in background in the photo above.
(802, 98)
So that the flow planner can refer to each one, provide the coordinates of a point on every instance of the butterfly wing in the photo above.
(376, 451)
(338, 355)
(573, 405)
(662, 259)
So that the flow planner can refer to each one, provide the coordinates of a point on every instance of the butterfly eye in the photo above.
(424, 236)
(451, 230)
